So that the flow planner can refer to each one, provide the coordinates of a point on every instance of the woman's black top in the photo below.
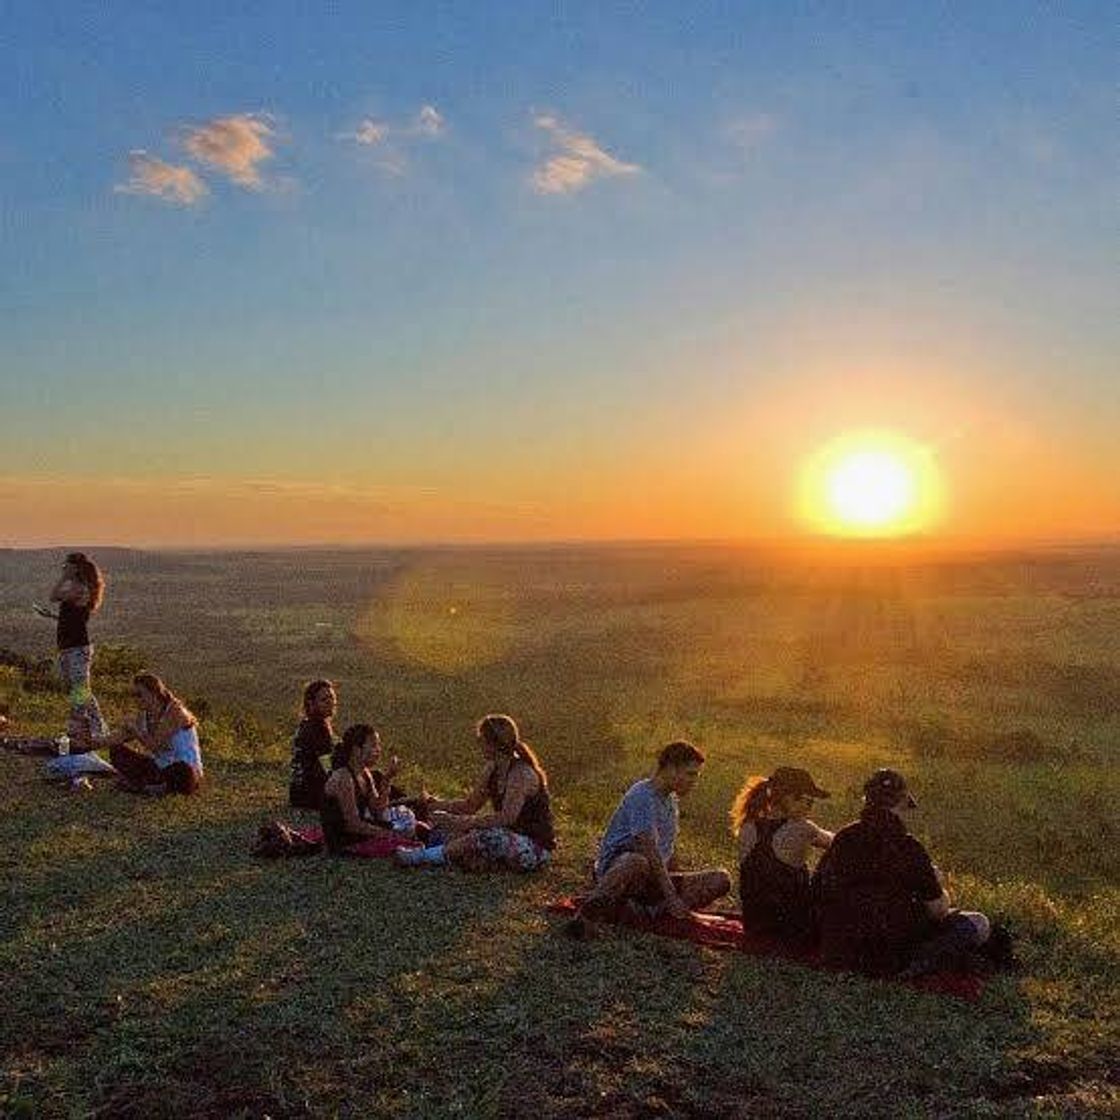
(312, 740)
(330, 814)
(774, 896)
(535, 818)
(73, 632)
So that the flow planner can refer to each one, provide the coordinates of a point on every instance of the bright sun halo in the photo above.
(871, 484)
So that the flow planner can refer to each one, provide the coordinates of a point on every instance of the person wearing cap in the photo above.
(882, 908)
(636, 862)
(770, 816)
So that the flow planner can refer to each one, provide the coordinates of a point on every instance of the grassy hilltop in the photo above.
(149, 967)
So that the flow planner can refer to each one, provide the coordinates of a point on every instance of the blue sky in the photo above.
(508, 255)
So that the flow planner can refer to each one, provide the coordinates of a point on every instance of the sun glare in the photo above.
(871, 484)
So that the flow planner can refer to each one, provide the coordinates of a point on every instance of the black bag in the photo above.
(276, 840)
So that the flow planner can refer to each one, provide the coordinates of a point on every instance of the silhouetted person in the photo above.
(883, 909)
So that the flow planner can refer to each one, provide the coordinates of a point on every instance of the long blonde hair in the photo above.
(502, 734)
(751, 802)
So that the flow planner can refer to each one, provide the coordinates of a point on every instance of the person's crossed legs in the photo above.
(631, 876)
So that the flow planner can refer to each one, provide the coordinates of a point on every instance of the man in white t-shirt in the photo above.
(636, 862)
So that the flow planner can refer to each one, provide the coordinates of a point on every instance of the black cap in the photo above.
(887, 787)
(793, 780)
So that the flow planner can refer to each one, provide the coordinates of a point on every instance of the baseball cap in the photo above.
(794, 780)
(885, 787)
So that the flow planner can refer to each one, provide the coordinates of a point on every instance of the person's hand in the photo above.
(674, 904)
(392, 767)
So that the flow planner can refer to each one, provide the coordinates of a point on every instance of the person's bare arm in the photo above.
(380, 801)
(520, 785)
(466, 806)
(70, 590)
(172, 720)
(938, 908)
(343, 792)
(819, 837)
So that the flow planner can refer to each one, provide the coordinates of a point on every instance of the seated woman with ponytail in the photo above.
(171, 761)
(770, 817)
(518, 833)
(354, 802)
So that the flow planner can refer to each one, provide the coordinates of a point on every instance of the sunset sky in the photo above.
(520, 271)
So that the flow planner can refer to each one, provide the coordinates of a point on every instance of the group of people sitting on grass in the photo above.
(358, 802)
(875, 902)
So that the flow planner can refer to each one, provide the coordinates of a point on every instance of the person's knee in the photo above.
(980, 926)
(721, 882)
(629, 867)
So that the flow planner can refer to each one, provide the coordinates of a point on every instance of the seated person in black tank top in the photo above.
(313, 740)
(769, 816)
(518, 834)
(354, 802)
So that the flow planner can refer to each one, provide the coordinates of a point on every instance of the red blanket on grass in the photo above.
(725, 931)
(376, 847)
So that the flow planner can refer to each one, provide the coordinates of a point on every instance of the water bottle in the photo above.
(63, 744)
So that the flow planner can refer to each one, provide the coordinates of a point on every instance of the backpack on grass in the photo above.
(277, 840)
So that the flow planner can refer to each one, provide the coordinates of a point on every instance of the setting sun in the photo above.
(871, 484)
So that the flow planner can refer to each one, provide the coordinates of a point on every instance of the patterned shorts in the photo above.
(504, 848)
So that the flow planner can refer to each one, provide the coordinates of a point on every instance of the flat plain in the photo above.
(150, 967)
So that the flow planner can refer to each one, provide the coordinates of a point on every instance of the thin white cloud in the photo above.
(579, 161)
(152, 176)
(236, 146)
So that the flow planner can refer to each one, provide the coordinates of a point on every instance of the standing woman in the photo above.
(518, 834)
(770, 818)
(168, 731)
(78, 593)
(313, 739)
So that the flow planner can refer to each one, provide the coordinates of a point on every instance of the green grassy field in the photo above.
(150, 967)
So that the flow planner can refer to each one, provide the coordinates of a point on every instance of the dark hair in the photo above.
(89, 574)
(679, 753)
(501, 733)
(352, 739)
(155, 685)
(310, 690)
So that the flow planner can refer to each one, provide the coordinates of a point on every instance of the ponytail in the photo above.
(502, 734)
(750, 802)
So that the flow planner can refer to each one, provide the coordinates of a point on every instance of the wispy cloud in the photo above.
(236, 146)
(369, 133)
(579, 161)
(152, 176)
(428, 122)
